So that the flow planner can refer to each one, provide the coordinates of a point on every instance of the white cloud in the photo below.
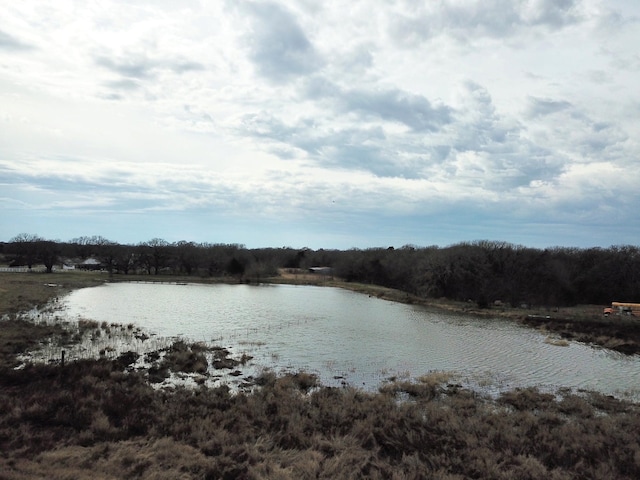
(511, 111)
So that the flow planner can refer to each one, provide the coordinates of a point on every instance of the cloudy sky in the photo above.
(322, 124)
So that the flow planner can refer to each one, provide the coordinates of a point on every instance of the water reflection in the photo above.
(347, 337)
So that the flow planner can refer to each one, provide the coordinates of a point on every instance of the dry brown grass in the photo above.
(158, 459)
(22, 291)
(558, 342)
(96, 419)
(90, 418)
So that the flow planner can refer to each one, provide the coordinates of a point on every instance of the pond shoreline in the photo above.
(100, 417)
(286, 337)
(584, 323)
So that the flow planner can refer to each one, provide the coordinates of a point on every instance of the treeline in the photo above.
(482, 272)
(488, 271)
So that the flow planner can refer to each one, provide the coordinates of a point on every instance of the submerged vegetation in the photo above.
(620, 333)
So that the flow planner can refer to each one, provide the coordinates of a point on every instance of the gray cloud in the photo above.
(473, 143)
(134, 71)
(393, 105)
(124, 84)
(131, 67)
(598, 76)
(415, 111)
(491, 18)
(9, 42)
(362, 157)
(502, 157)
(183, 66)
(554, 14)
(142, 67)
(571, 127)
(600, 141)
(351, 148)
(544, 106)
(359, 58)
(266, 125)
(277, 44)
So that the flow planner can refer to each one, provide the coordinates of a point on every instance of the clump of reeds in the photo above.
(426, 387)
(558, 342)
(85, 326)
(183, 357)
(222, 360)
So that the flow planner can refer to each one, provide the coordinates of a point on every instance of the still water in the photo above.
(346, 337)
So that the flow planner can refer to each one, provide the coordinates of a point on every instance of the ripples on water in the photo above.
(346, 337)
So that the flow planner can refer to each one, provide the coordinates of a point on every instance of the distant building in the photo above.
(321, 270)
(79, 264)
(90, 264)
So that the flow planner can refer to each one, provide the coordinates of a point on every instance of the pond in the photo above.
(350, 338)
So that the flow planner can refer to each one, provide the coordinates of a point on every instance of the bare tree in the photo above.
(25, 246)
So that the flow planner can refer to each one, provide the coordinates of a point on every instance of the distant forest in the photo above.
(482, 272)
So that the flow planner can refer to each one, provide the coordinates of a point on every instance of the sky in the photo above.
(368, 123)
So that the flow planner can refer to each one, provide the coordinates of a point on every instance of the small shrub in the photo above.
(266, 378)
(125, 360)
(305, 381)
(182, 358)
(526, 399)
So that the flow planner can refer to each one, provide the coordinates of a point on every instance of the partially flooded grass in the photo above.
(182, 357)
(93, 416)
(20, 292)
(104, 417)
(616, 332)
(87, 339)
(19, 336)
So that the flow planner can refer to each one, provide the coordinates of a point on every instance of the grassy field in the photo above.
(21, 291)
(100, 419)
